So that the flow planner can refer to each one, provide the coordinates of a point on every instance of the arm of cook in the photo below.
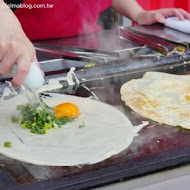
(15, 47)
(132, 10)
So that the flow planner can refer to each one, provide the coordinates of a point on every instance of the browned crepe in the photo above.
(162, 97)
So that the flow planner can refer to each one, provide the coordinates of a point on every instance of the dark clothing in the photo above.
(16, 2)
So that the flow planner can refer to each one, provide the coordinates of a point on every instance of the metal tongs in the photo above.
(77, 53)
(161, 45)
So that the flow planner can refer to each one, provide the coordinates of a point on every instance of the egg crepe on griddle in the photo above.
(162, 97)
(105, 132)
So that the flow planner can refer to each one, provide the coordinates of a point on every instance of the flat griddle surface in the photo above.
(157, 147)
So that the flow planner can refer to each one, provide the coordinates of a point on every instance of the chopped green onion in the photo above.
(90, 65)
(15, 119)
(37, 120)
(7, 144)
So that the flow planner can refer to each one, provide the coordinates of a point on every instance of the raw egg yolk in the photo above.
(66, 109)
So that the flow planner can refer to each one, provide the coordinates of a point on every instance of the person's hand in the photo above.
(154, 16)
(15, 47)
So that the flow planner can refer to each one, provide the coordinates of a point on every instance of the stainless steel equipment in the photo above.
(157, 147)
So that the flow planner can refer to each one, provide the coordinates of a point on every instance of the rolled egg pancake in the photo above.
(162, 97)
